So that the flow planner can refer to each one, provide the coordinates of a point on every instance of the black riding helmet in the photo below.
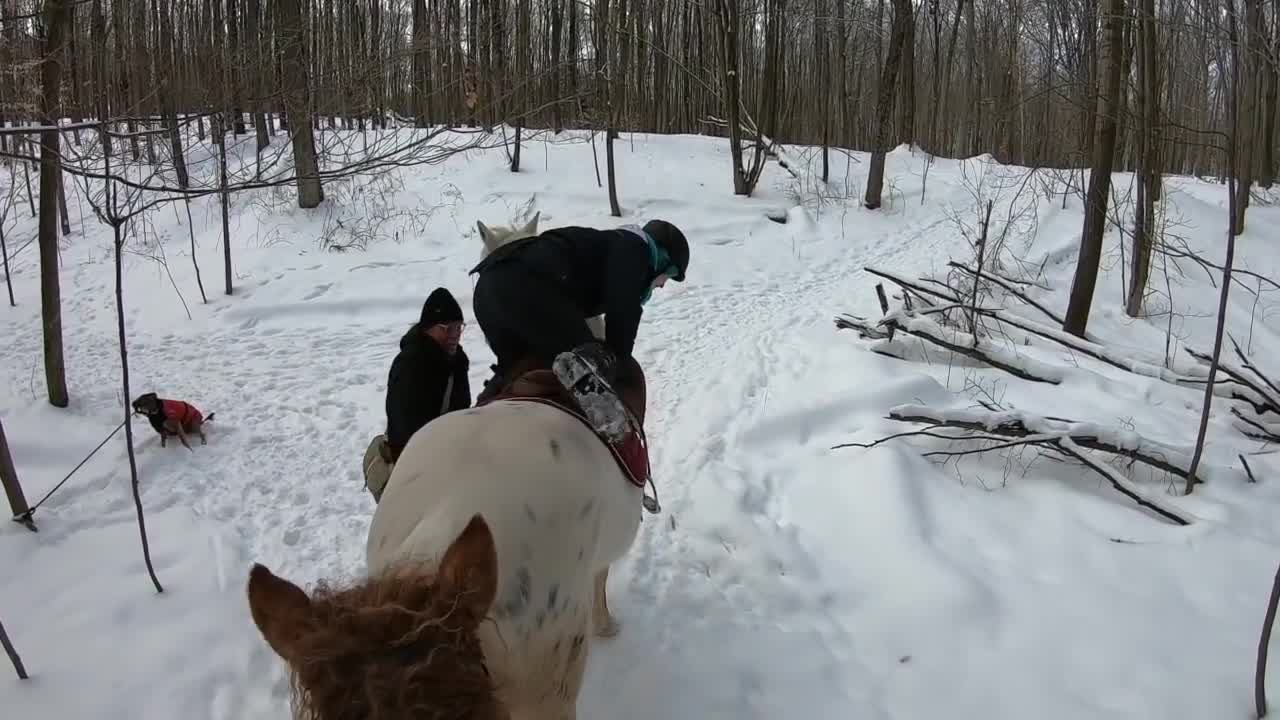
(669, 238)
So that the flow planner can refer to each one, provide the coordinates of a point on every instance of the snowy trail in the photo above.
(717, 568)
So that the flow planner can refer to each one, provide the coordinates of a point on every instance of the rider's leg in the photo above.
(517, 307)
(521, 310)
(490, 304)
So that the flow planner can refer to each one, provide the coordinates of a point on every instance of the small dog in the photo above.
(172, 417)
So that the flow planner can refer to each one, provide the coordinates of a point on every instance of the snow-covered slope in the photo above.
(784, 578)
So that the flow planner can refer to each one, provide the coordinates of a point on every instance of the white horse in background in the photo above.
(494, 237)
(487, 561)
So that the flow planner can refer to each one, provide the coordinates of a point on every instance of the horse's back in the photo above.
(558, 507)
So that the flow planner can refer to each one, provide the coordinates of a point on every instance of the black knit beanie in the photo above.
(440, 308)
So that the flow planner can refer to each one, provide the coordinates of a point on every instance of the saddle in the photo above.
(541, 385)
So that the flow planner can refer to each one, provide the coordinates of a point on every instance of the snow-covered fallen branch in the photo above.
(1073, 343)
(1014, 423)
(1261, 393)
(1068, 446)
(920, 291)
(1256, 428)
(925, 328)
(1008, 287)
(1063, 436)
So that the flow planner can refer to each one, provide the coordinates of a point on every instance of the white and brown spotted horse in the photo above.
(488, 557)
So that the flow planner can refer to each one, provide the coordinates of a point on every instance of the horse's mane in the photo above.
(388, 643)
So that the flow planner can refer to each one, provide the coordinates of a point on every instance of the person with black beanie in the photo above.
(428, 377)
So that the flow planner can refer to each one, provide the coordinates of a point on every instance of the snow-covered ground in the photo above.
(784, 578)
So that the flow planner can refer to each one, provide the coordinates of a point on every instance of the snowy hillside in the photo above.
(784, 578)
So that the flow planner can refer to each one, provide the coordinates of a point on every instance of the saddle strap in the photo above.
(448, 392)
(639, 482)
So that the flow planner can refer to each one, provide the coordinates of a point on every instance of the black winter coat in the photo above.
(601, 271)
(416, 384)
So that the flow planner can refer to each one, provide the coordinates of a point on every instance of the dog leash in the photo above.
(24, 518)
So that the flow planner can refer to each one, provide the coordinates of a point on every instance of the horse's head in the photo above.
(499, 235)
(399, 646)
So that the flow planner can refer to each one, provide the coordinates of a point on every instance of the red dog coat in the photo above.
(185, 413)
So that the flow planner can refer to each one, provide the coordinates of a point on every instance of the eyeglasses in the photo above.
(454, 329)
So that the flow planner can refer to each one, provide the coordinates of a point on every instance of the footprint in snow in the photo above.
(318, 291)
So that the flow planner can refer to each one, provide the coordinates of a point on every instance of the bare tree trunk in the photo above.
(884, 102)
(907, 96)
(235, 57)
(497, 54)
(101, 99)
(8, 276)
(253, 33)
(224, 198)
(1233, 147)
(57, 18)
(128, 414)
(521, 64)
(13, 654)
(1271, 102)
(729, 18)
(278, 57)
(62, 203)
(575, 46)
(605, 98)
(1104, 147)
(421, 71)
(9, 478)
(123, 70)
(820, 57)
(557, 72)
(1260, 669)
(169, 91)
(844, 134)
(195, 260)
(730, 22)
(1247, 93)
(935, 23)
(297, 104)
(1148, 179)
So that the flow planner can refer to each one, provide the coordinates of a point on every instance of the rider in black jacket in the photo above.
(533, 296)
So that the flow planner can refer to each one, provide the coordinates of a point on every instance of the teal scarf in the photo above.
(659, 260)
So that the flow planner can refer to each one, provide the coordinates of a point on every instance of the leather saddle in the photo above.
(542, 385)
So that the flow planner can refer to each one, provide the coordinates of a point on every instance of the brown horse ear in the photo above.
(280, 609)
(469, 571)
